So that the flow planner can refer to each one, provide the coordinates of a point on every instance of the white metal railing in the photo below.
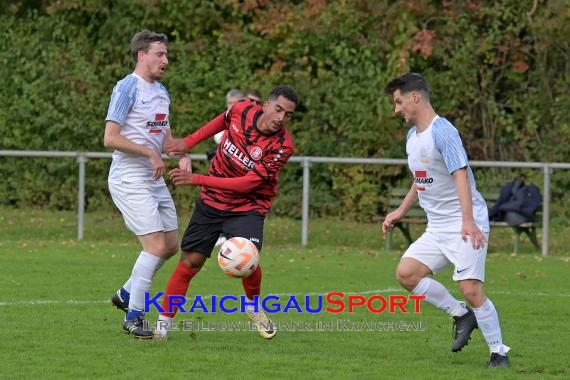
(306, 162)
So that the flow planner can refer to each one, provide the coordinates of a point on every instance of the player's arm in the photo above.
(184, 161)
(113, 139)
(244, 184)
(177, 147)
(393, 217)
(265, 171)
(448, 143)
(468, 228)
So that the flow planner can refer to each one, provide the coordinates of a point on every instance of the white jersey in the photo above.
(142, 110)
(433, 155)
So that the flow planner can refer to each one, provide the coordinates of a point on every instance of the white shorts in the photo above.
(147, 206)
(437, 250)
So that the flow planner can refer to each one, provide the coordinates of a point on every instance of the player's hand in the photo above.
(470, 229)
(175, 147)
(391, 220)
(185, 163)
(181, 177)
(158, 165)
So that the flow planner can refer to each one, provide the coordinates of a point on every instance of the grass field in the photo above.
(57, 321)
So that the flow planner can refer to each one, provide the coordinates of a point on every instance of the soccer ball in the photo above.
(238, 257)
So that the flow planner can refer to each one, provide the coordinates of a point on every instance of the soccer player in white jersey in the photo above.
(137, 125)
(458, 225)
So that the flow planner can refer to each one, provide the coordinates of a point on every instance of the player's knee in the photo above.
(406, 277)
(193, 260)
(172, 248)
(472, 291)
(161, 249)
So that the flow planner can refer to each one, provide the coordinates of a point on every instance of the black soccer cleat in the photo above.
(498, 361)
(462, 328)
(136, 327)
(118, 301)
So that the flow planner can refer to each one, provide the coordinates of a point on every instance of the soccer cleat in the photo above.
(159, 336)
(163, 326)
(498, 361)
(118, 301)
(462, 328)
(262, 323)
(136, 327)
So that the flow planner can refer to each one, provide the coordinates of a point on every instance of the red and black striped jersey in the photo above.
(243, 174)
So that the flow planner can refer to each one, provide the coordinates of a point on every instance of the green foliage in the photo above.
(498, 70)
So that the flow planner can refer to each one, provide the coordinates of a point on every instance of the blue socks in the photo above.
(125, 295)
(133, 314)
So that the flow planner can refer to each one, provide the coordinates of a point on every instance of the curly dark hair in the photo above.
(286, 92)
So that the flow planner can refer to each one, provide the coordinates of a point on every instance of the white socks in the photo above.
(486, 315)
(129, 282)
(141, 279)
(439, 296)
(163, 325)
(127, 285)
(488, 322)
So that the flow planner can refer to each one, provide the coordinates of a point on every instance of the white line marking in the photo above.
(377, 291)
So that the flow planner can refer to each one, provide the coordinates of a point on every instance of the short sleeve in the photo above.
(448, 143)
(122, 100)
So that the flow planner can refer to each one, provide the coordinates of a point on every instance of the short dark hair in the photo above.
(142, 41)
(406, 83)
(286, 92)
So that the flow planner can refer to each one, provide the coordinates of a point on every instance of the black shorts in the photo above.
(207, 223)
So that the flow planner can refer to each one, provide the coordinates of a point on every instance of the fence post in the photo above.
(305, 209)
(81, 159)
(546, 209)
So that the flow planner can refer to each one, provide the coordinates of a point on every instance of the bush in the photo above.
(497, 70)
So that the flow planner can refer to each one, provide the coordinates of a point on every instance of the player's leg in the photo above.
(422, 258)
(470, 280)
(197, 244)
(154, 254)
(413, 276)
(122, 296)
(250, 226)
(189, 265)
(148, 211)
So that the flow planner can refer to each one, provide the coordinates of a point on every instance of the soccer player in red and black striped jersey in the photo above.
(238, 191)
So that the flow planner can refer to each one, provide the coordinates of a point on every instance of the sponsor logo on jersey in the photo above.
(237, 155)
(235, 128)
(255, 152)
(422, 180)
(155, 127)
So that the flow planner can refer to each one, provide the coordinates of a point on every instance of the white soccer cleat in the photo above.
(263, 325)
(163, 325)
(159, 336)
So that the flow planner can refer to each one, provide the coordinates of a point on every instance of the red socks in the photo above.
(252, 284)
(180, 280)
(177, 286)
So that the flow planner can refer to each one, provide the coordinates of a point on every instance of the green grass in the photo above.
(41, 261)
